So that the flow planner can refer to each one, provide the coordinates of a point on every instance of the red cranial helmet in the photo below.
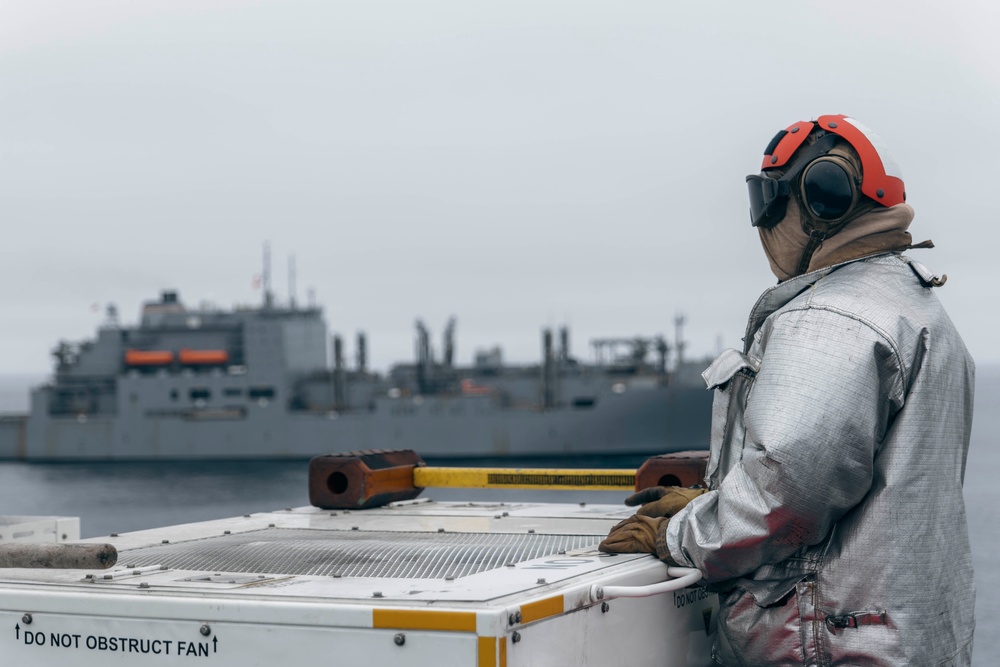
(809, 160)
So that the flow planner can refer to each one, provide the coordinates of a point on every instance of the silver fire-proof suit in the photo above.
(835, 528)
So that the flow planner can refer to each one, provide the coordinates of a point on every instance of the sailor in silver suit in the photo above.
(833, 524)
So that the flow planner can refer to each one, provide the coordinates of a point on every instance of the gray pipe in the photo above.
(58, 556)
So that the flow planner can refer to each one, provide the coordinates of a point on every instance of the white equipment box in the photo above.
(415, 583)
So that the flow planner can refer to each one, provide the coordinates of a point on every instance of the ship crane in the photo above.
(630, 352)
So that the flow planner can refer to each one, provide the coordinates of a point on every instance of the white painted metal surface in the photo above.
(540, 611)
(38, 529)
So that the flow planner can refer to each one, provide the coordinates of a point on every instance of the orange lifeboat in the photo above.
(470, 388)
(204, 357)
(148, 357)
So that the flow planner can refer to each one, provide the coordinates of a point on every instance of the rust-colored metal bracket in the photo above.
(675, 469)
(362, 479)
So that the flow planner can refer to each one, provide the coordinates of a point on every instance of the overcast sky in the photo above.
(514, 164)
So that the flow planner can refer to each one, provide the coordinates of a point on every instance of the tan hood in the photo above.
(879, 230)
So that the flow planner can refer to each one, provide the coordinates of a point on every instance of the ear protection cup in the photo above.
(828, 188)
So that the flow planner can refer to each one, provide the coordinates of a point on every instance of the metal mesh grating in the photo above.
(355, 553)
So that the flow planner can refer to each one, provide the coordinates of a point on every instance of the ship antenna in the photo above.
(449, 343)
(112, 321)
(266, 277)
(679, 343)
(291, 281)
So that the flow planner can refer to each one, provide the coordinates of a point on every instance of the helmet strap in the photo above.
(816, 238)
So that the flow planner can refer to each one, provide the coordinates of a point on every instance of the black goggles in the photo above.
(769, 196)
(768, 200)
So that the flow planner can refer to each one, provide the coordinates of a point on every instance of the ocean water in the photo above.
(982, 500)
(121, 497)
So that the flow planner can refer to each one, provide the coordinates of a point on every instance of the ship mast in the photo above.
(266, 276)
(679, 343)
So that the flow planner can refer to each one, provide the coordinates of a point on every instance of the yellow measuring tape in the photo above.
(525, 478)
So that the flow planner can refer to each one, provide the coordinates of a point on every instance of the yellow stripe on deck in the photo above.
(525, 478)
(409, 619)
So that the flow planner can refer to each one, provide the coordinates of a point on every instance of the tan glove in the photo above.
(664, 501)
(635, 535)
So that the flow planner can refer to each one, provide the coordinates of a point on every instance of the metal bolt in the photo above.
(509, 565)
(227, 532)
(605, 607)
(354, 528)
(166, 542)
(205, 630)
(583, 504)
(26, 619)
(450, 577)
(336, 575)
(288, 509)
(506, 514)
(270, 525)
(599, 593)
(880, 192)
(516, 637)
(541, 580)
(510, 620)
(400, 639)
(795, 129)
(774, 158)
(831, 125)
(130, 565)
(496, 516)
(517, 616)
(377, 594)
(440, 530)
(114, 534)
(246, 516)
(333, 514)
(144, 584)
(531, 530)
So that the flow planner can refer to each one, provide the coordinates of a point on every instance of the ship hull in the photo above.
(639, 421)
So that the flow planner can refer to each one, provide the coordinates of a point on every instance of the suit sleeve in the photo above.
(827, 386)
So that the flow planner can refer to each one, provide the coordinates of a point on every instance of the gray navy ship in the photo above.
(269, 382)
